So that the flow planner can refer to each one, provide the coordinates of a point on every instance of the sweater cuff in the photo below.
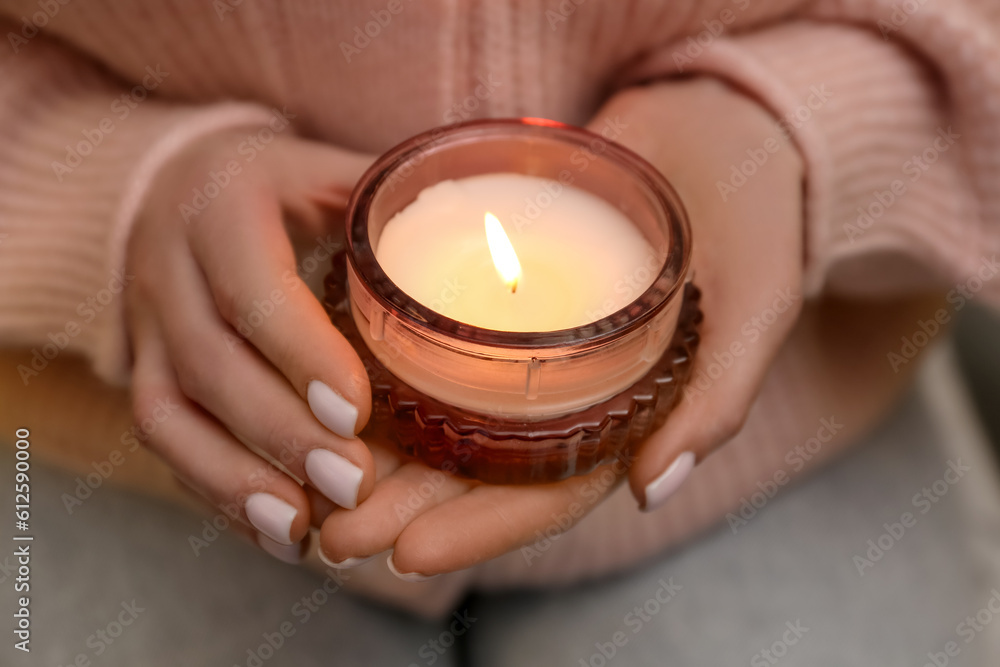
(887, 196)
(73, 173)
(180, 128)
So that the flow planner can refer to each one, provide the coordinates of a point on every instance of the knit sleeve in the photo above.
(896, 111)
(78, 150)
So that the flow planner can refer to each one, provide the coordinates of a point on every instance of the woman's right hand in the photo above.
(233, 356)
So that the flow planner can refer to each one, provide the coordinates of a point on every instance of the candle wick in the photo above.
(513, 287)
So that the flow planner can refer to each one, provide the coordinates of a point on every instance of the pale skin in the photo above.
(194, 281)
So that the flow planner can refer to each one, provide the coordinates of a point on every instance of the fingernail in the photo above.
(669, 481)
(331, 409)
(334, 476)
(411, 577)
(272, 516)
(345, 564)
(289, 553)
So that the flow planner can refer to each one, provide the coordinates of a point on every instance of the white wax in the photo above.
(581, 258)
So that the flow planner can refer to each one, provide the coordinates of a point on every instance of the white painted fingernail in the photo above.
(331, 409)
(345, 564)
(411, 577)
(334, 476)
(669, 481)
(272, 516)
(289, 553)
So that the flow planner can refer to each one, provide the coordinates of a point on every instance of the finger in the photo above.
(718, 397)
(387, 460)
(227, 377)
(749, 271)
(312, 177)
(489, 521)
(250, 266)
(397, 500)
(288, 553)
(203, 454)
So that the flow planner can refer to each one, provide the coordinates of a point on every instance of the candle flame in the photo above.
(504, 257)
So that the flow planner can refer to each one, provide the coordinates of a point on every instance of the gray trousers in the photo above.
(889, 557)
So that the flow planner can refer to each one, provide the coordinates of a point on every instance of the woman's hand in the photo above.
(231, 349)
(747, 254)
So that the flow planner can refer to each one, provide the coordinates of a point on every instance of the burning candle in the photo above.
(467, 249)
(517, 290)
(576, 301)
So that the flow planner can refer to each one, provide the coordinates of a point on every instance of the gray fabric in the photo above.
(204, 610)
(791, 563)
(977, 330)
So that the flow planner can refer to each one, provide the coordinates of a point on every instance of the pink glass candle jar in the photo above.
(516, 406)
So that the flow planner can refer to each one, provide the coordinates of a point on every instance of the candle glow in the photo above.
(576, 261)
(504, 257)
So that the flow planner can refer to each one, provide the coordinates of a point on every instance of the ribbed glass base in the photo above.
(500, 450)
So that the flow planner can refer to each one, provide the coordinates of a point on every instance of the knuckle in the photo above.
(230, 299)
(143, 403)
(279, 438)
(145, 284)
(152, 406)
(195, 373)
(729, 423)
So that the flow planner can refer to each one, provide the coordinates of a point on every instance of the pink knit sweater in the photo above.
(877, 94)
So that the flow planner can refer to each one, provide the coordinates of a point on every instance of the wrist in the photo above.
(688, 126)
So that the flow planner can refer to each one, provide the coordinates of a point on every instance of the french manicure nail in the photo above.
(345, 564)
(289, 553)
(331, 409)
(334, 476)
(411, 577)
(669, 481)
(272, 516)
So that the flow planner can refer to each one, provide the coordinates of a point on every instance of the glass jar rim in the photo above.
(638, 312)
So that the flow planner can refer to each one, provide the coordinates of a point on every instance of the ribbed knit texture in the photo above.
(64, 234)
